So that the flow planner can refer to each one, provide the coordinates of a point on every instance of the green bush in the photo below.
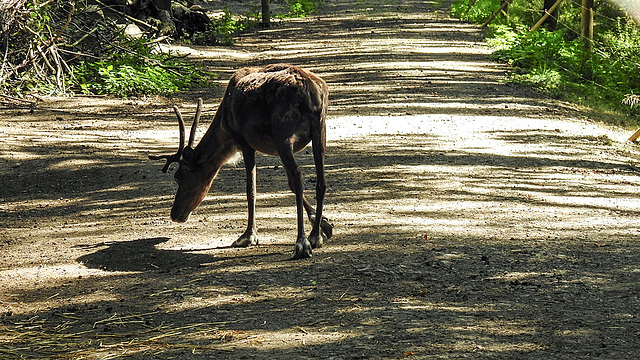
(539, 50)
(302, 8)
(479, 13)
(621, 46)
(90, 54)
(137, 73)
(121, 79)
(557, 62)
(222, 29)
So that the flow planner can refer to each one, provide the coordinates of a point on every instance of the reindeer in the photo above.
(276, 110)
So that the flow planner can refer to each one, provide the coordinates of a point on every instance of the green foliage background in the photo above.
(92, 53)
(72, 47)
(607, 78)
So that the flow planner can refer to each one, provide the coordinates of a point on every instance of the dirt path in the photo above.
(473, 218)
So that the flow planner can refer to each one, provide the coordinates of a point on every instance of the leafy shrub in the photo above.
(520, 12)
(546, 79)
(539, 50)
(58, 46)
(122, 79)
(302, 8)
(479, 13)
(222, 29)
(621, 46)
(142, 72)
(557, 62)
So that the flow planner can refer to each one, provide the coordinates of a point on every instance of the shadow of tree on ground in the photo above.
(520, 245)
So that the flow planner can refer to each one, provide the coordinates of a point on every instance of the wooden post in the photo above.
(587, 24)
(266, 14)
(635, 136)
(545, 16)
(504, 5)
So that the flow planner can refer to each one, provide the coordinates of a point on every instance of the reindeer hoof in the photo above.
(302, 249)
(245, 241)
(327, 228)
(317, 241)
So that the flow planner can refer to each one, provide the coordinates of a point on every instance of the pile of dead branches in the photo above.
(14, 16)
(37, 43)
(42, 40)
(30, 43)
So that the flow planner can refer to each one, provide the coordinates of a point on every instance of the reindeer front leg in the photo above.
(250, 235)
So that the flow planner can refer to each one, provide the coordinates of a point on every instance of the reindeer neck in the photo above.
(216, 146)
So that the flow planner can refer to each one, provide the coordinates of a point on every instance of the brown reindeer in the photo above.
(276, 110)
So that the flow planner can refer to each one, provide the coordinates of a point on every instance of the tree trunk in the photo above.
(587, 24)
(266, 14)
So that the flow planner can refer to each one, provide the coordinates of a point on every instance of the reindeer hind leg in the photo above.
(294, 176)
(325, 225)
(321, 227)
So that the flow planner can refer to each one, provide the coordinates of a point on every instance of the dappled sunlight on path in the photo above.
(473, 218)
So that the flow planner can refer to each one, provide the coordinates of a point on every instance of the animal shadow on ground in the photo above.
(141, 255)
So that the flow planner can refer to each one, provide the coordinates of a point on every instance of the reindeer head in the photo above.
(193, 181)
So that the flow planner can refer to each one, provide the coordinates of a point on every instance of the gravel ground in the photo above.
(473, 218)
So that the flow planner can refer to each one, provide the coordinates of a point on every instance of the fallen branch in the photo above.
(6, 99)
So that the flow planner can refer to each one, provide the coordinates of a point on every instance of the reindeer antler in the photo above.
(192, 134)
(196, 119)
(175, 157)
